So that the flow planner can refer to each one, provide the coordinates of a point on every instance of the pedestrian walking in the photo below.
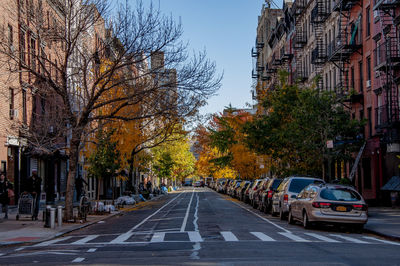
(148, 186)
(5, 189)
(33, 186)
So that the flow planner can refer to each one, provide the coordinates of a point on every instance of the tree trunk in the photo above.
(73, 160)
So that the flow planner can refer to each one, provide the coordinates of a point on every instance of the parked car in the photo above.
(232, 187)
(253, 188)
(240, 193)
(256, 191)
(267, 194)
(287, 193)
(329, 203)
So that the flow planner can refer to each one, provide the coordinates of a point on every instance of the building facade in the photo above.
(353, 48)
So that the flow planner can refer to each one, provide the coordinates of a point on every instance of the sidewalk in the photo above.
(27, 231)
(384, 221)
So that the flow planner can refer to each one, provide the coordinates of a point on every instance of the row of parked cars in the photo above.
(307, 200)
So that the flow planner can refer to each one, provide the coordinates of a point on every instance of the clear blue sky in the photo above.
(227, 30)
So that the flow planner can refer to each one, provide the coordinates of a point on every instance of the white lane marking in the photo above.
(196, 214)
(158, 237)
(381, 240)
(78, 260)
(293, 237)
(2, 254)
(323, 238)
(84, 240)
(154, 213)
(229, 236)
(50, 242)
(187, 214)
(121, 238)
(263, 218)
(195, 237)
(19, 249)
(101, 222)
(262, 236)
(351, 239)
(91, 250)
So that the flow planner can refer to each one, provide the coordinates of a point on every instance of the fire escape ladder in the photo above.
(387, 58)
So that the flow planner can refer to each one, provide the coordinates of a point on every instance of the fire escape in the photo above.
(387, 63)
(319, 15)
(300, 39)
(345, 44)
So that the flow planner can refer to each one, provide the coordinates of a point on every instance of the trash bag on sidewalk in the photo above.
(125, 200)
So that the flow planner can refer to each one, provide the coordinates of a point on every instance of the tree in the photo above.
(174, 160)
(128, 37)
(104, 161)
(296, 127)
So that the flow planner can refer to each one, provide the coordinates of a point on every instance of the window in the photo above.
(334, 77)
(352, 78)
(22, 46)
(43, 105)
(369, 113)
(360, 69)
(11, 100)
(10, 37)
(369, 68)
(24, 111)
(33, 54)
(368, 21)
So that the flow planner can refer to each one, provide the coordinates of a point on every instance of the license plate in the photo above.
(341, 209)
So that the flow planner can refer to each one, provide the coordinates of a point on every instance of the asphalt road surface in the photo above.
(198, 226)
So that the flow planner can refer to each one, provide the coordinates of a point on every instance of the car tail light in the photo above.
(255, 188)
(360, 207)
(269, 194)
(321, 205)
(285, 198)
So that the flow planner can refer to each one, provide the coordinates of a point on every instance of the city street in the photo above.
(197, 226)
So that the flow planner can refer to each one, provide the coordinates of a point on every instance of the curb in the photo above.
(387, 236)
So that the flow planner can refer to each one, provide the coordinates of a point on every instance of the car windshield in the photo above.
(339, 194)
(298, 184)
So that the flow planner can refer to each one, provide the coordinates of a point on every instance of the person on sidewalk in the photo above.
(79, 187)
(4, 199)
(33, 186)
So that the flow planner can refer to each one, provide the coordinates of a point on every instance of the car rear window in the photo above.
(276, 183)
(298, 184)
(339, 194)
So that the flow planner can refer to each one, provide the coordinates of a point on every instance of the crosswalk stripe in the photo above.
(229, 236)
(262, 236)
(195, 237)
(351, 239)
(50, 242)
(293, 237)
(84, 240)
(381, 240)
(158, 237)
(121, 238)
(91, 250)
(78, 260)
(323, 238)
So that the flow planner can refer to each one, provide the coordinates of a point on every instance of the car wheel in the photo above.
(281, 215)
(290, 218)
(306, 223)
